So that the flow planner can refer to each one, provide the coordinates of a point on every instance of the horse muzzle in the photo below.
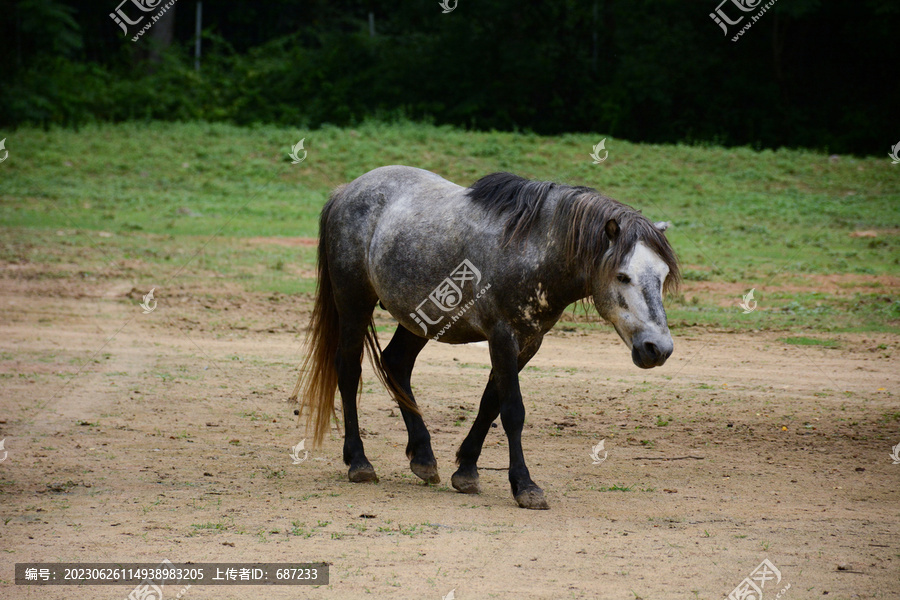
(648, 351)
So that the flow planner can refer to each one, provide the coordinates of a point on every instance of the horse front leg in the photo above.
(466, 479)
(505, 359)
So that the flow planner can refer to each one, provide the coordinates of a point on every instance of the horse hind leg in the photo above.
(349, 368)
(399, 358)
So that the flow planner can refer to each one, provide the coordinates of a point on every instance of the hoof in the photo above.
(363, 474)
(427, 473)
(465, 483)
(532, 498)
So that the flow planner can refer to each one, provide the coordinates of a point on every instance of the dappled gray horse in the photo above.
(498, 261)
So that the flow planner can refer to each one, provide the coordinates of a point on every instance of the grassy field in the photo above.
(158, 202)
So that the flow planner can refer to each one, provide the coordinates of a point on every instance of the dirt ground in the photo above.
(172, 442)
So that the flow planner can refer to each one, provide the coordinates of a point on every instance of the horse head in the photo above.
(629, 293)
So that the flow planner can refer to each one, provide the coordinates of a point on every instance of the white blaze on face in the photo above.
(633, 302)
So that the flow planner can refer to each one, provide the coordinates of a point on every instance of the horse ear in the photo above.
(612, 230)
(662, 225)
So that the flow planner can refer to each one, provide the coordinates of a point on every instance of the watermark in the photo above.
(895, 151)
(723, 20)
(595, 453)
(148, 590)
(751, 588)
(748, 303)
(461, 312)
(6, 452)
(6, 152)
(145, 6)
(160, 581)
(148, 298)
(447, 297)
(596, 153)
(895, 456)
(294, 154)
(450, 596)
(445, 4)
(296, 450)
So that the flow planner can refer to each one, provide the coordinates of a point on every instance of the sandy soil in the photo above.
(136, 437)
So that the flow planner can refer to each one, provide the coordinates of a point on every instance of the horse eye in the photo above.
(622, 277)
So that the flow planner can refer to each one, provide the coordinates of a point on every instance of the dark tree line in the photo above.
(808, 73)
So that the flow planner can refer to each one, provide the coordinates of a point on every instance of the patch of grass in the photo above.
(254, 415)
(299, 529)
(85, 209)
(275, 474)
(806, 341)
(409, 530)
(888, 417)
(616, 488)
(213, 526)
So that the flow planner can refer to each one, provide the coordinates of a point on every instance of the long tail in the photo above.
(318, 379)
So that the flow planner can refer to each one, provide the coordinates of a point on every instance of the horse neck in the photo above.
(563, 278)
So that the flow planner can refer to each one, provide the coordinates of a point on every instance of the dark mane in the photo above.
(580, 218)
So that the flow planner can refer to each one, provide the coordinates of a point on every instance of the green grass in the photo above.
(216, 526)
(615, 488)
(806, 341)
(159, 202)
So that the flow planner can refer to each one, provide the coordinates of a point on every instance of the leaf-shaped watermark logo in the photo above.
(148, 298)
(146, 5)
(895, 154)
(296, 450)
(595, 453)
(445, 4)
(6, 152)
(295, 153)
(596, 153)
(895, 456)
(5, 453)
(748, 304)
(747, 5)
(450, 596)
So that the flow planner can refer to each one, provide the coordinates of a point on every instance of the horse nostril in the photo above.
(651, 350)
